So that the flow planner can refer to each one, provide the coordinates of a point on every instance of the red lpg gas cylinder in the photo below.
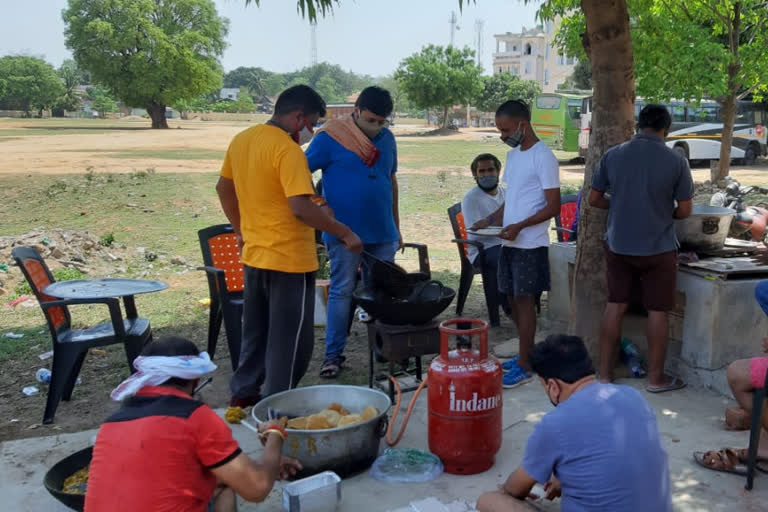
(464, 399)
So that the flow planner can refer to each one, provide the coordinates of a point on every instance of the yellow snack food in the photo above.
(333, 417)
(73, 483)
(335, 406)
(349, 419)
(318, 422)
(234, 415)
(369, 413)
(298, 423)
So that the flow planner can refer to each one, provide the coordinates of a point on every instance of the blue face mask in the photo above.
(487, 183)
(516, 138)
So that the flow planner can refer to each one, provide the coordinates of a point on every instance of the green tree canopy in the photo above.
(28, 83)
(251, 78)
(581, 78)
(71, 77)
(149, 53)
(101, 100)
(440, 77)
(690, 50)
(505, 86)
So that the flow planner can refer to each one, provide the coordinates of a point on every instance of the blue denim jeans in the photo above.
(761, 294)
(344, 265)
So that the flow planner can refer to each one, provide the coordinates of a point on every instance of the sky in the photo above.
(365, 36)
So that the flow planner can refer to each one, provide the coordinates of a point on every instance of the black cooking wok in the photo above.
(424, 304)
(54, 478)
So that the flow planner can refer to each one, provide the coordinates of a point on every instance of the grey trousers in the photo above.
(278, 332)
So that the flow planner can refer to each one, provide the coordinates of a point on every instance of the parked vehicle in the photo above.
(556, 118)
(697, 129)
(750, 221)
(585, 125)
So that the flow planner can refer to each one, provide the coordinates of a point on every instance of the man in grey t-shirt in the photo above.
(650, 186)
(599, 448)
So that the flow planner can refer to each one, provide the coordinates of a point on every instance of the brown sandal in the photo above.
(726, 460)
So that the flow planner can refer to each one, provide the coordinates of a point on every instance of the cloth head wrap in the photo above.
(154, 370)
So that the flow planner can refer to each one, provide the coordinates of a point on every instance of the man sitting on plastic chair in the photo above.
(745, 376)
(478, 203)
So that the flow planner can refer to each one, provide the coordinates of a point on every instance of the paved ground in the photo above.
(688, 419)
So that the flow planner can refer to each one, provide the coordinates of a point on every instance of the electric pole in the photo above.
(478, 58)
(453, 22)
(313, 43)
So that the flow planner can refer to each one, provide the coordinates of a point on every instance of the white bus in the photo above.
(696, 129)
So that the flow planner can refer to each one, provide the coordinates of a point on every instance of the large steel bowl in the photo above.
(706, 229)
(346, 450)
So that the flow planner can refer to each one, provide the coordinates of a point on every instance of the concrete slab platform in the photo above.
(690, 419)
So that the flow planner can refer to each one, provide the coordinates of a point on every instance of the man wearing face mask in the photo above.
(532, 179)
(266, 192)
(599, 449)
(650, 187)
(478, 203)
(358, 158)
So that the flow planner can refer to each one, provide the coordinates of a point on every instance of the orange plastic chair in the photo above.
(70, 346)
(225, 272)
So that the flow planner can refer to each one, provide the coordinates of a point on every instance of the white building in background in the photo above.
(532, 55)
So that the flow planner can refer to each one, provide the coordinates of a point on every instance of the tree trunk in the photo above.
(609, 47)
(157, 114)
(445, 116)
(728, 104)
(728, 113)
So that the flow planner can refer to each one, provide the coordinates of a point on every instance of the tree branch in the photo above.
(712, 7)
(747, 92)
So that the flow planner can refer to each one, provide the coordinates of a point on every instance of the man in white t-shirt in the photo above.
(532, 179)
(478, 203)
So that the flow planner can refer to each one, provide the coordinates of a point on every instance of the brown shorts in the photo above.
(654, 276)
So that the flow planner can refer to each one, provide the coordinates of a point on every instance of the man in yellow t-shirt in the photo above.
(266, 191)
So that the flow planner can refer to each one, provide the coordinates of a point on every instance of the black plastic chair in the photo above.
(70, 346)
(225, 273)
(754, 433)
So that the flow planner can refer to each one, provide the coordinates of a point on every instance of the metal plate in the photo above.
(489, 231)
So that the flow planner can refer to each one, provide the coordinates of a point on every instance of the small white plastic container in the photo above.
(317, 493)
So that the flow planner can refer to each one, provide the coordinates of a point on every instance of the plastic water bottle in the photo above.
(631, 356)
(43, 375)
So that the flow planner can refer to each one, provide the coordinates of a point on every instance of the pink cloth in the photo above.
(757, 369)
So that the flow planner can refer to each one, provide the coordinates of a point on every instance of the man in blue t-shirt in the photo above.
(358, 157)
(599, 448)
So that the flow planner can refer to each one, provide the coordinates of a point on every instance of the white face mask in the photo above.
(305, 135)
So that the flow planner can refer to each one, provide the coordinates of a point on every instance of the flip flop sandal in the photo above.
(761, 464)
(331, 369)
(726, 461)
(677, 383)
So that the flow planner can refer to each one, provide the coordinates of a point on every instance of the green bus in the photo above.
(556, 118)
